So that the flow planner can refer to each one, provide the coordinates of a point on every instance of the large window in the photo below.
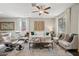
(61, 24)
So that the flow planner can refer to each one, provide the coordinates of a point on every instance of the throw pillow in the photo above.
(32, 33)
(71, 38)
(60, 36)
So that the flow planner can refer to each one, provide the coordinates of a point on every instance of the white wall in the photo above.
(49, 24)
(67, 17)
(56, 26)
(74, 18)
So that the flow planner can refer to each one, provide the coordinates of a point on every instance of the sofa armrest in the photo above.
(2, 47)
(74, 42)
(65, 43)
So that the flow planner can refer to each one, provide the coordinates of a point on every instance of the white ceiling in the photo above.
(25, 9)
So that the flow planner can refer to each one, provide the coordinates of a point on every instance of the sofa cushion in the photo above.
(60, 36)
(6, 39)
(64, 43)
(67, 37)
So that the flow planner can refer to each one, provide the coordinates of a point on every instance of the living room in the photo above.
(32, 29)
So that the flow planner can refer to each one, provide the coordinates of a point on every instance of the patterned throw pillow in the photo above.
(71, 38)
(60, 36)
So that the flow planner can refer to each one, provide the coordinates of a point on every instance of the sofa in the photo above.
(4, 38)
(70, 42)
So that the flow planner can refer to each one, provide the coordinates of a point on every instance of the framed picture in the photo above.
(7, 26)
(39, 25)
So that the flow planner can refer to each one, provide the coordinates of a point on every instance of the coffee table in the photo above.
(41, 42)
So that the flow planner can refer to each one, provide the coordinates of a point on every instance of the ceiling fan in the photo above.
(41, 9)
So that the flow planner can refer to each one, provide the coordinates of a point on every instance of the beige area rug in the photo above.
(56, 51)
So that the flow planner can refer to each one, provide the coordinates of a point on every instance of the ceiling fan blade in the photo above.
(47, 8)
(38, 7)
(34, 11)
(46, 12)
(33, 4)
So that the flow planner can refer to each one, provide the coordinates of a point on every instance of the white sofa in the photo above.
(69, 45)
(4, 37)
